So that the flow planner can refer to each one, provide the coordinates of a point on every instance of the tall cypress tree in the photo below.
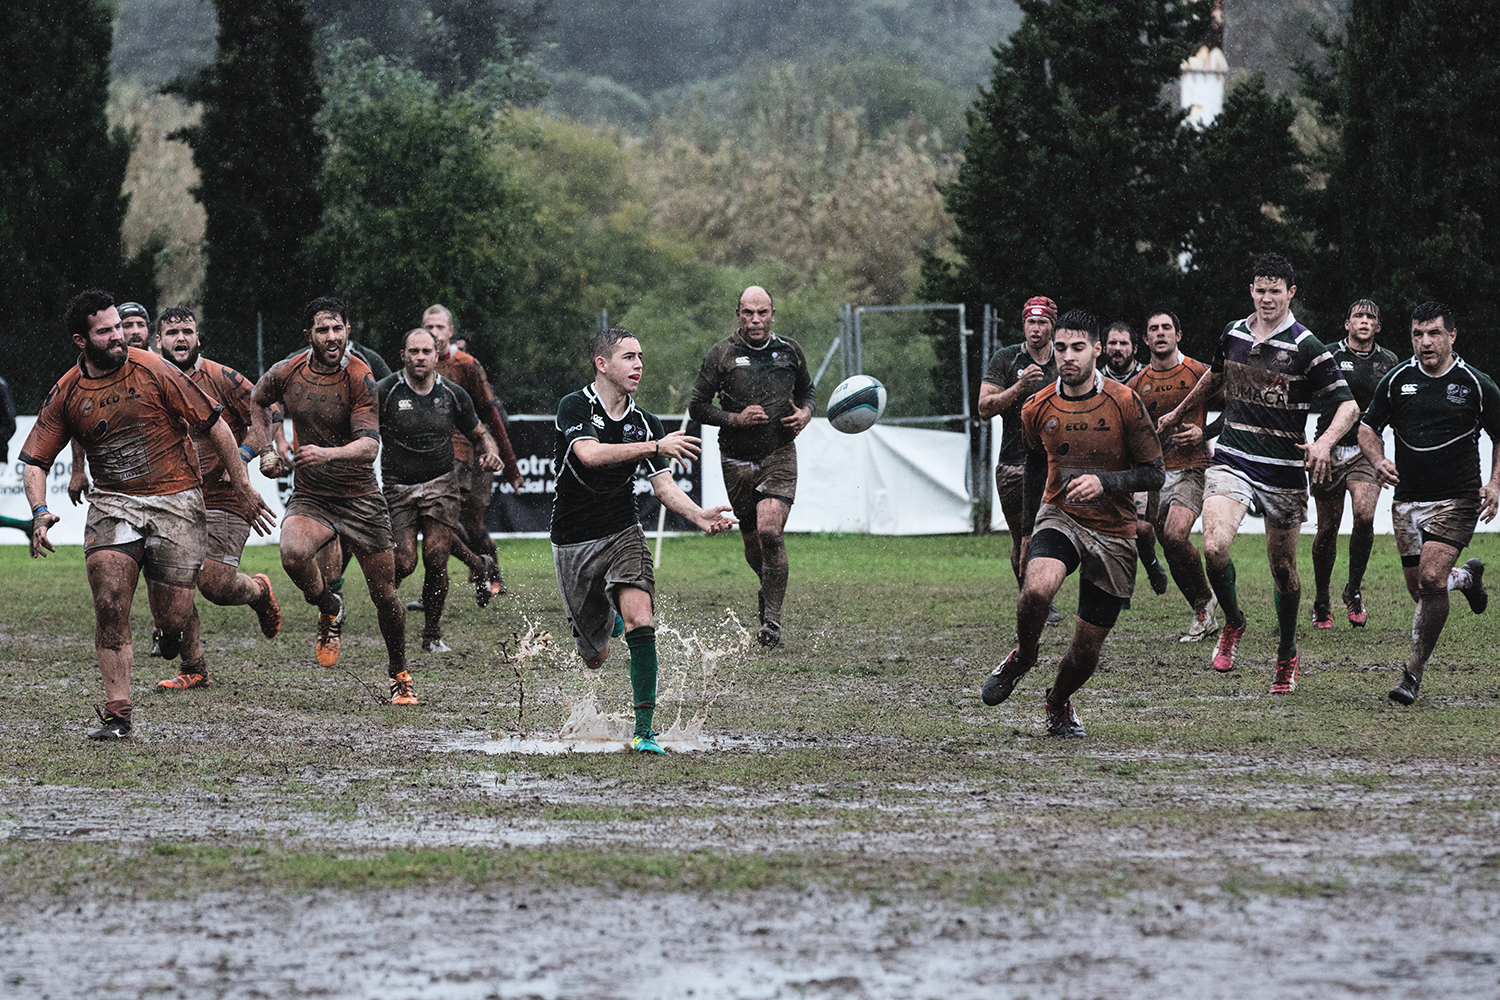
(61, 171)
(1413, 195)
(258, 155)
(1073, 168)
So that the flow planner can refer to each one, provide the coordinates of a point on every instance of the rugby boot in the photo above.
(1063, 721)
(1285, 681)
(1355, 605)
(482, 591)
(1156, 576)
(155, 641)
(330, 627)
(184, 681)
(402, 691)
(1228, 648)
(1002, 680)
(1322, 615)
(435, 645)
(646, 744)
(1054, 616)
(1405, 692)
(113, 727)
(1205, 623)
(769, 634)
(267, 611)
(1478, 597)
(416, 605)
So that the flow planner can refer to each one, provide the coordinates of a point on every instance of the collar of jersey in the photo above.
(751, 347)
(1098, 386)
(1286, 325)
(401, 375)
(593, 397)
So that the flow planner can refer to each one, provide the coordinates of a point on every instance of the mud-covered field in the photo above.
(852, 822)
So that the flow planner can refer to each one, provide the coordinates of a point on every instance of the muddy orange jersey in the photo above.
(135, 425)
(328, 410)
(1161, 392)
(1105, 431)
(230, 390)
(465, 371)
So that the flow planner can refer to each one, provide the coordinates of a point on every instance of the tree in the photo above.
(1248, 191)
(258, 155)
(61, 170)
(1413, 166)
(1072, 181)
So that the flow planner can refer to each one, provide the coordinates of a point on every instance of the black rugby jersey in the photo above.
(1436, 421)
(416, 431)
(598, 502)
(1363, 372)
(771, 376)
(1005, 368)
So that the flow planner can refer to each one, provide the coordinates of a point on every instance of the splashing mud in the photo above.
(695, 672)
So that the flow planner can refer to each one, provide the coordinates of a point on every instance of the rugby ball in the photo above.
(856, 404)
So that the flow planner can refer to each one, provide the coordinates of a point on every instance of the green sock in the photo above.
(1229, 600)
(337, 584)
(15, 522)
(1287, 606)
(619, 628)
(642, 643)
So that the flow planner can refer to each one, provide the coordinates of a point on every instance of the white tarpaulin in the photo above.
(887, 481)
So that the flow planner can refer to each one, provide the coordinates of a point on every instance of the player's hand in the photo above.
(254, 510)
(1168, 420)
(1385, 471)
(288, 458)
(273, 465)
(314, 454)
(715, 520)
(78, 486)
(1188, 437)
(40, 545)
(1316, 460)
(489, 462)
(1031, 377)
(798, 419)
(1085, 488)
(681, 445)
(1489, 501)
(752, 416)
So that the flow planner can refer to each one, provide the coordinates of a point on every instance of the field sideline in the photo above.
(864, 826)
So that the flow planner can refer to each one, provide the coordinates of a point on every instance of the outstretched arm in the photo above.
(710, 522)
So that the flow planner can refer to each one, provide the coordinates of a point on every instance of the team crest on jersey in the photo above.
(598, 420)
(742, 361)
(1050, 426)
(1408, 388)
(403, 404)
(88, 404)
(1457, 393)
(1348, 366)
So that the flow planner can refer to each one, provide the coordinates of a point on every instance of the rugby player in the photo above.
(419, 411)
(1013, 374)
(1162, 384)
(1121, 363)
(598, 548)
(219, 579)
(134, 414)
(330, 395)
(1271, 369)
(1435, 404)
(766, 398)
(475, 481)
(136, 322)
(1090, 440)
(1363, 364)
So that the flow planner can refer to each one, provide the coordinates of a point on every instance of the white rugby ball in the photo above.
(856, 404)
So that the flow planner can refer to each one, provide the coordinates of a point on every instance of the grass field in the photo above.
(861, 826)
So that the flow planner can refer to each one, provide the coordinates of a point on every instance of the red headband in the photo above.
(1040, 306)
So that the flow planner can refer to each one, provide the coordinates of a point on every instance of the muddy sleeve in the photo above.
(50, 434)
(364, 405)
(701, 404)
(464, 417)
(1489, 403)
(1378, 413)
(805, 393)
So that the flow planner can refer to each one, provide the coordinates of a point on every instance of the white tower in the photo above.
(1204, 73)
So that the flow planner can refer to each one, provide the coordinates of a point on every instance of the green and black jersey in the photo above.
(773, 376)
(1363, 372)
(598, 502)
(1005, 368)
(1436, 421)
(416, 431)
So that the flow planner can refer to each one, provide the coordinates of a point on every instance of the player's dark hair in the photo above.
(1362, 303)
(81, 307)
(1429, 311)
(174, 314)
(1120, 324)
(406, 337)
(324, 304)
(602, 344)
(1176, 324)
(769, 297)
(1077, 319)
(1273, 265)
